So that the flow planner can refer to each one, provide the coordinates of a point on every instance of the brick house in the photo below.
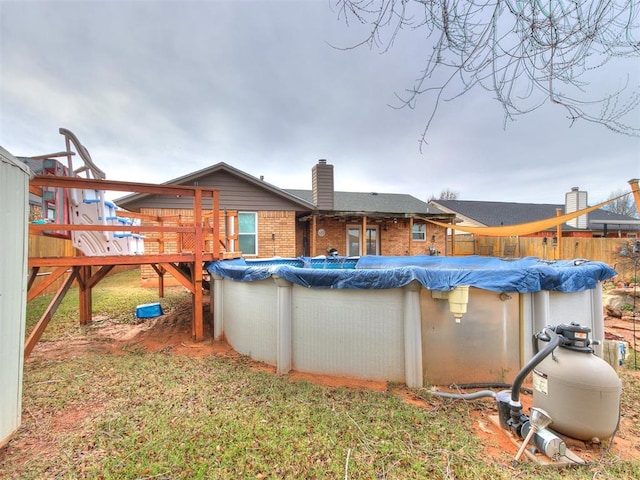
(288, 223)
(369, 223)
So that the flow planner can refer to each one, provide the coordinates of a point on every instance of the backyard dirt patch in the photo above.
(171, 334)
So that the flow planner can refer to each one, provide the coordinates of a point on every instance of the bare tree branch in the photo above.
(623, 205)
(446, 194)
(526, 52)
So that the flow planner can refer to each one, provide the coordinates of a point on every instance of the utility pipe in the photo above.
(465, 396)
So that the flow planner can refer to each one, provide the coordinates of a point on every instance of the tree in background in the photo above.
(525, 52)
(446, 194)
(625, 205)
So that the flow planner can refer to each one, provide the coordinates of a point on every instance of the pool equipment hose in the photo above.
(517, 417)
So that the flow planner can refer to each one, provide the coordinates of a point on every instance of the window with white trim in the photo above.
(248, 232)
(419, 232)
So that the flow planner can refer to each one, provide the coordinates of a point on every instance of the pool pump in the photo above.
(575, 393)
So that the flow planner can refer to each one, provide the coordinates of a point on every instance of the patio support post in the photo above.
(364, 244)
(217, 306)
(411, 236)
(312, 236)
(453, 239)
(412, 335)
(284, 331)
(559, 235)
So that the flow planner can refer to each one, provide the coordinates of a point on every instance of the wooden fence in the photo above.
(614, 251)
(43, 246)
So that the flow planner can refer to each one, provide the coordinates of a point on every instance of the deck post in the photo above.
(84, 295)
(196, 274)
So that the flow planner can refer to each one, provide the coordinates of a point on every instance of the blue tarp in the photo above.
(525, 275)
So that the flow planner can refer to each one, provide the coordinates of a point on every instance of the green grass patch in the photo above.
(175, 417)
(149, 416)
(178, 417)
(115, 297)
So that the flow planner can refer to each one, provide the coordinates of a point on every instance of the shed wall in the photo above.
(14, 212)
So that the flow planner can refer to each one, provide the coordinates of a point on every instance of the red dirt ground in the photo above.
(171, 333)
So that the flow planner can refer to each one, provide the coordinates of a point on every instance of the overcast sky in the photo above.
(159, 89)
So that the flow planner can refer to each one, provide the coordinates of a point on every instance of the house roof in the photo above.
(192, 180)
(381, 203)
(391, 204)
(494, 214)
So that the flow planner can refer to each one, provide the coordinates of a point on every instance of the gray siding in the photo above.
(235, 194)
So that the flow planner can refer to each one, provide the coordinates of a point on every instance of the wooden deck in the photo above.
(88, 271)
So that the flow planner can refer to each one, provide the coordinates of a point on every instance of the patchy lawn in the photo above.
(128, 399)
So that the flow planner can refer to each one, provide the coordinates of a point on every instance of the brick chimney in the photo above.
(322, 188)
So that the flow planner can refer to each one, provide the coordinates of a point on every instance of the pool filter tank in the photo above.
(580, 391)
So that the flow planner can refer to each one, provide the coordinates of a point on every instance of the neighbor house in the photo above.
(598, 223)
(554, 242)
(272, 221)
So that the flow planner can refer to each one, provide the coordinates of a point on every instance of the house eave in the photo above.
(376, 215)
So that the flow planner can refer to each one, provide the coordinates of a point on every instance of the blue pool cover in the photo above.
(524, 275)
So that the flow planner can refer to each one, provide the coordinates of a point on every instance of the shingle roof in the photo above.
(352, 202)
(390, 203)
(493, 214)
(193, 177)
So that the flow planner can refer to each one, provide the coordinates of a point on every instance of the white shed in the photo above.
(14, 214)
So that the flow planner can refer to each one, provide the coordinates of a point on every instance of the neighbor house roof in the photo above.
(493, 214)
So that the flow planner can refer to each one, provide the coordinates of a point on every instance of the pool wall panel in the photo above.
(483, 347)
(349, 333)
(250, 318)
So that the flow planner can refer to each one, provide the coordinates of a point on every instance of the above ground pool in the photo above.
(418, 320)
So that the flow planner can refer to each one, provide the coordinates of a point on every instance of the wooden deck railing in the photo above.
(203, 229)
